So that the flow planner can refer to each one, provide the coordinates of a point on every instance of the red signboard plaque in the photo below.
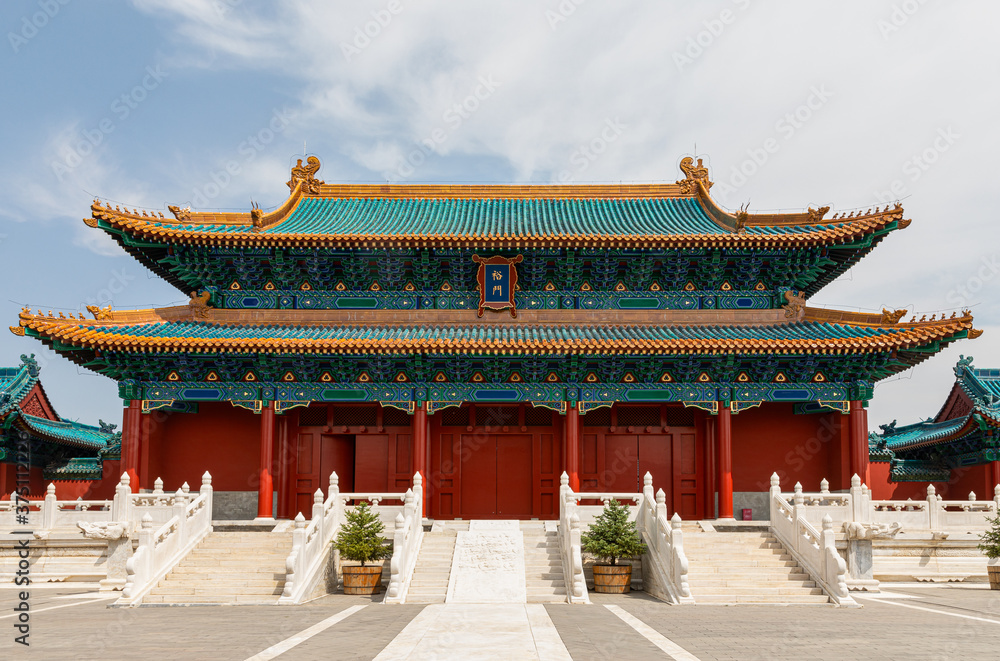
(497, 278)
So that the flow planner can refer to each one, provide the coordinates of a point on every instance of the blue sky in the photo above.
(155, 102)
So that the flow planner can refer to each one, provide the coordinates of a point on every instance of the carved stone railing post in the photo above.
(933, 510)
(318, 511)
(996, 497)
(836, 568)
(679, 560)
(157, 494)
(121, 508)
(206, 489)
(856, 509)
(179, 509)
(298, 542)
(49, 507)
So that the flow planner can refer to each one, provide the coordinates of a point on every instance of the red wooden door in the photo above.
(307, 467)
(479, 476)
(371, 463)
(621, 459)
(655, 458)
(688, 497)
(337, 454)
(513, 476)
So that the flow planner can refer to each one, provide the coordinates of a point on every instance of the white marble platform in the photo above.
(488, 565)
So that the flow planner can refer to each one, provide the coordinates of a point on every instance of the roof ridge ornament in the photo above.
(101, 314)
(816, 215)
(693, 173)
(180, 214)
(963, 362)
(306, 176)
(796, 304)
(199, 304)
(890, 317)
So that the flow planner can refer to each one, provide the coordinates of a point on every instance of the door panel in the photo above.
(479, 476)
(513, 475)
(621, 464)
(371, 463)
(337, 455)
(307, 462)
(655, 458)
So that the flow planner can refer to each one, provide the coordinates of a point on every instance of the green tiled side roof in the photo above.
(68, 433)
(79, 468)
(16, 383)
(916, 470)
(528, 217)
(921, 433)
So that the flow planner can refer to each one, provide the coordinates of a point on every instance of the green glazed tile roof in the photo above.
(67, 433)
(497, 217)
(803, 331)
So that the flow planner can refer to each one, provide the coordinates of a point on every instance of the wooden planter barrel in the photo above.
(612, 579)
(362, 580)
(993, 568)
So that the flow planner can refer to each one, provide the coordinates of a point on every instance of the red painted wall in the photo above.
(800, 448)
(221, 439)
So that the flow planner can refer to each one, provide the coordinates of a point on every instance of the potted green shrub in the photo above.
(612, 537)
(360, 540)
(989, 544)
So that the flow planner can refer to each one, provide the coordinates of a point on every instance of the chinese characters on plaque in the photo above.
(497, 278)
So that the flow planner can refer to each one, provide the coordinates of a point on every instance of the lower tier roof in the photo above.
(800, 331)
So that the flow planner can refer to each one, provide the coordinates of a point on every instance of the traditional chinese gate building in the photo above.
(621, 329)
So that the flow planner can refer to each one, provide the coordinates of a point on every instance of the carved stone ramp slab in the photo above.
(488, 565)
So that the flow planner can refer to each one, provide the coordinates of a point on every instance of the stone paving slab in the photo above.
(911, 623)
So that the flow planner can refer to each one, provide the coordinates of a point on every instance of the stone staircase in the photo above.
(239, 567)
(429, 584)
(746, 568)
(543, 569)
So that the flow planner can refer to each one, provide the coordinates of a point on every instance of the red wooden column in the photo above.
(131, 435)
(724, 459)
(573, 445)
(265, 493)
(420, 447)
(996, 479)
(858, 441)
(283, 466)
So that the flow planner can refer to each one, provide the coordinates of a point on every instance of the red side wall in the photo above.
(977, 479)
(800, 448)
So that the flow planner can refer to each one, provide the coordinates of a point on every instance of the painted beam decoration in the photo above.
(497, 278)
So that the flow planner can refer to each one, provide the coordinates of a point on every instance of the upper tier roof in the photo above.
(16, 383)
(637, 216)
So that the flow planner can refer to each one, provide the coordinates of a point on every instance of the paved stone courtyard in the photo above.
(910, 621)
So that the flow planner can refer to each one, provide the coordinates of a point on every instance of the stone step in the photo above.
(545, 576)
(222, 583)
(228, 591)
(697, 590)
(819, 599)
(206, 573)
(707, 585)
(545, 591)
(180, 599)
(748, 577)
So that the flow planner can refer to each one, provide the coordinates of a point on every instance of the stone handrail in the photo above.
(815, 551)
(312, 541)
(856, 513)
(569, 543)
(665, 572)
(160, 550)
(406, 543)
